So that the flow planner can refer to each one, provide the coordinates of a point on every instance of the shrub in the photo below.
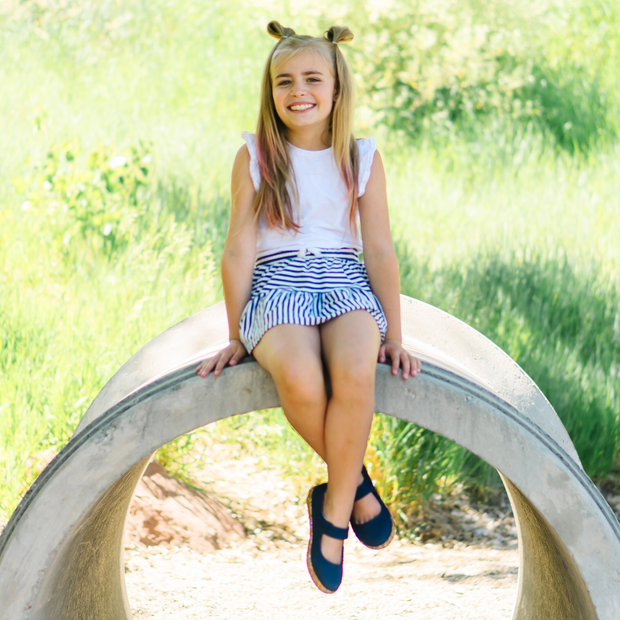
(99, 203)
(443, 65)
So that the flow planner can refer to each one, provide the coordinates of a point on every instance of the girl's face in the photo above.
(303, 92)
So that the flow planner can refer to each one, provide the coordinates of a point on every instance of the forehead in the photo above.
(300, 61)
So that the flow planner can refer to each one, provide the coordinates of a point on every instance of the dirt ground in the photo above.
(403, 581)
(259, 571)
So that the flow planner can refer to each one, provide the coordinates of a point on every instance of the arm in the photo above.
(237, 262)
(382, 267)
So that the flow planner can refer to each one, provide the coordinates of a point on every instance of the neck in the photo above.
(310, 141)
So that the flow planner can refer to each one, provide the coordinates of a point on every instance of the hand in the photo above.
(231, 355)
(393, 349)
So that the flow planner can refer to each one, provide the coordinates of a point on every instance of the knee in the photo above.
(300, 382)
(354, 379)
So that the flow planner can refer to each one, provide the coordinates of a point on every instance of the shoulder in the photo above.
(243, 156)
(242, 161)
(241, 170)
(247, 158)
(367, 150)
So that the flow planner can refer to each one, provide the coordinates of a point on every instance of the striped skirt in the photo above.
(306, 288)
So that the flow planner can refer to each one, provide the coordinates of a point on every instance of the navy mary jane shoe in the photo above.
(378, 532)
(326, 575)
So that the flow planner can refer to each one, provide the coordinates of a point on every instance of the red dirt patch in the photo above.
(167, 511)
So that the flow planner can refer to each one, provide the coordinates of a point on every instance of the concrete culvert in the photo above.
(61, 554)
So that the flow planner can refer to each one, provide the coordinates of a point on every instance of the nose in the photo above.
(298, 89)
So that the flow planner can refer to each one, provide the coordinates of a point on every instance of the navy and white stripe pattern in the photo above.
(308, 287)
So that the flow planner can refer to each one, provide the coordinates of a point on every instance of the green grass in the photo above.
(64, 334)
(559, 319)
(495, 220)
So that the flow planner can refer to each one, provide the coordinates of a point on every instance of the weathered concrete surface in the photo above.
(61, 553)
(431, 333)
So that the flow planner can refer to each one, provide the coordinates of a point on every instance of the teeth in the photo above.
(301, 106)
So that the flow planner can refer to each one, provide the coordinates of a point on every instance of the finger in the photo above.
(395, 364)
(206, 367)
(221, 363)
(416, 365)
(382, 353)
(406, 364)
(238, 355)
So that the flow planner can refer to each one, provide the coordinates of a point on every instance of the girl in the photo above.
(298, 297)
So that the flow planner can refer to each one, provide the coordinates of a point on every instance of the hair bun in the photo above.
(338, 34)
(278, 31)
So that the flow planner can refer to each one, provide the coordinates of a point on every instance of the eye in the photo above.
(283, 83)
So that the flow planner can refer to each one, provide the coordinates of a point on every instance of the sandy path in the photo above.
(403, 581)
(265, 575)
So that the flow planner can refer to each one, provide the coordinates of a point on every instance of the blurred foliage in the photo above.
(440, 66)
(100, 204)
(96, 261)
(434, 63)
(137, 59)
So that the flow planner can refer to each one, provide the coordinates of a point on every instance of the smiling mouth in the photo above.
(300, 107)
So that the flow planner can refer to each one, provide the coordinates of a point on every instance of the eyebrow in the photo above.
(311, 72)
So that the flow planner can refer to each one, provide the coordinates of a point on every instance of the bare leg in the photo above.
(350, 345)
(292, 356)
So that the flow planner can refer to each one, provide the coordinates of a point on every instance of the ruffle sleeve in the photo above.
(250, 140)
(366, 148)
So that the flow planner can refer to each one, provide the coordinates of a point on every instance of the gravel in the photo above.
(405, 580)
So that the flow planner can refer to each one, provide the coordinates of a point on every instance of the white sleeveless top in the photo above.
(323, 207)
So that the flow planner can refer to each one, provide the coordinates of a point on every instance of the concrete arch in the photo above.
(61, 552)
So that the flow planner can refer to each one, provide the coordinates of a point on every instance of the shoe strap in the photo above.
(329, 529)
(365, 487)
(322, 524)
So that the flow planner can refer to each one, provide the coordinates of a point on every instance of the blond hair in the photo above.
(272, 199)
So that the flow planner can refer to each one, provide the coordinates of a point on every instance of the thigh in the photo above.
(291, 352)
(350, 343)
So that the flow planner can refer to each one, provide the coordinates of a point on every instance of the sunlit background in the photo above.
(499, 123)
